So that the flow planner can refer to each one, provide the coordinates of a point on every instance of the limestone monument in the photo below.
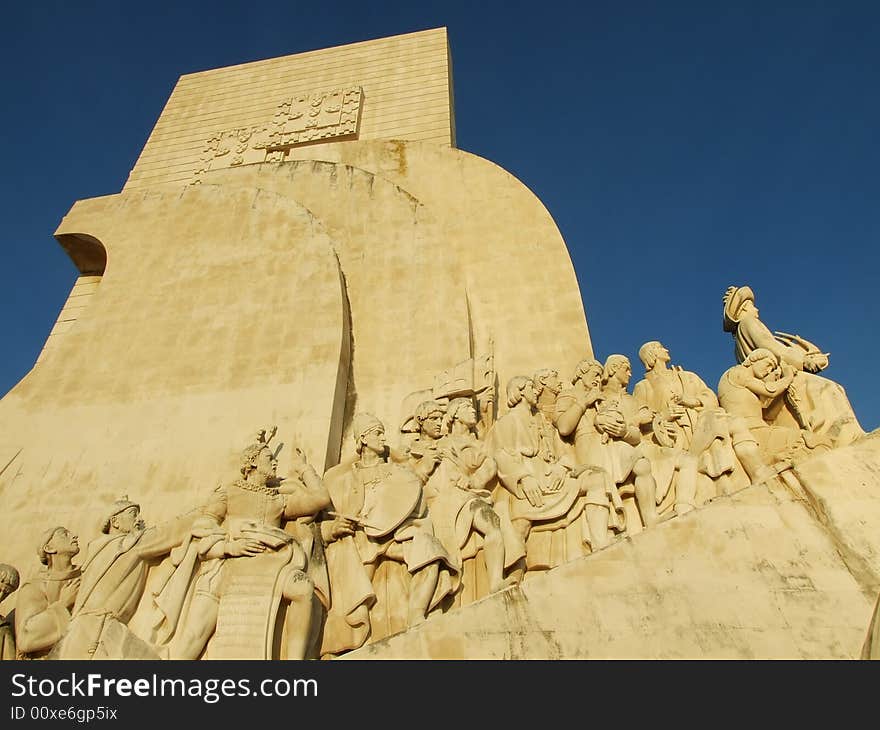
(9, 582)
(451, 471)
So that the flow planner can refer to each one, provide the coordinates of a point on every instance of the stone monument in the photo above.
(435, 462)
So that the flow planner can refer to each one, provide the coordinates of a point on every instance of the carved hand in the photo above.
(532, 491)
(592, 396)
(676, 406)
(336, 528)
(244, 547)
(431, 453)
(666, 432)
(298, 462)
(815, 361)
(612, 422)
(555, 485)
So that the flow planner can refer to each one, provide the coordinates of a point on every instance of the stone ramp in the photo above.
(785, 570)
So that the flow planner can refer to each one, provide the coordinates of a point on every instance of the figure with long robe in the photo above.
(541, 489)
(114, 575)
(458, 489)
(44, 605)
(378, 516)
(252, 568)
(689, 432)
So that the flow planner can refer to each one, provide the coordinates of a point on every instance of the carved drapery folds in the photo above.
(465, 500)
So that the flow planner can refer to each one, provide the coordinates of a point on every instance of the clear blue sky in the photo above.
(681, 147)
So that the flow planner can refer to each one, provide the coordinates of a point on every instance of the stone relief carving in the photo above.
(306, 118)
(9, 580)
(458, 474)
(113, 578)
(474, 378)
(543, 490)
(689, 444)
(617, 443)
(576, 409)
(306, 566)
(43, 609)
(318, 115)
(753, 393)
(249, 565)
(815, 403)
(379, 515)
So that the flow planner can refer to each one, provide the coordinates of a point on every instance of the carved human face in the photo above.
(127, 520)
(5, 587)
(592, 378)
(748, 309)
(433, 425)
(623, 374)
(266, 464)
(661, 353)
(467, 415)
(764, 368)
(374, 441)
(553, 383)
(64, 542)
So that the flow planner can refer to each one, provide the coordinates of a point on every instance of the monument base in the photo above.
(781, 570)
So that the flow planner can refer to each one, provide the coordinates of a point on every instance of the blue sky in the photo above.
(681, 147)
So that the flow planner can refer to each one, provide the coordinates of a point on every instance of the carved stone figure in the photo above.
(9, 580)
(753, 393)
(543, 490)
(379, 516)
(423, 451)
(42, 611)
(458, 489)
(576, 421)
(815, 402)
(547, 381)
(114, 575)
(254, 567)
(615, 444)
(690, 438)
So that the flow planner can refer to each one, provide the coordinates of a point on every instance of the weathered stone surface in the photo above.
(758, 574)
(300, 244)
(207, 322)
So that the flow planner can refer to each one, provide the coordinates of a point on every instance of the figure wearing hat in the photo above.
(815, 404)
(114, 575)
(750, 333)
(379, 515)
(42, 612)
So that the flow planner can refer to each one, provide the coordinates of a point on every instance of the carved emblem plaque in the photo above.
(331, 115)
